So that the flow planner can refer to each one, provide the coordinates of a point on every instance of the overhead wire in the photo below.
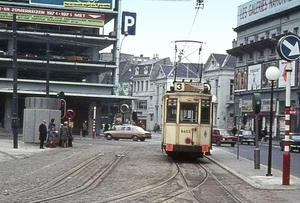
(199, 4)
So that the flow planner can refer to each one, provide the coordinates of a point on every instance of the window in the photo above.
(273, 50)
(188, 113)
(205, 112)
(231, 87)
(142, 85)
(250, 56)
(240, 58)
(142, 104)
(261, 53)
(296, 30)
(147, 85)
(267, 34)
(171, 110)
(145, 70)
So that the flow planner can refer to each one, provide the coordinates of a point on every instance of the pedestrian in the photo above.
(84, 129)
(106, 127)
(65, 134)
(264, 134)
(234, 130)
(156, 127)
(70, 138)
(42, 133)
(142, 125)
(51, 134)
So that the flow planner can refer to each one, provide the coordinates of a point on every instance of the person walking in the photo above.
(70, 138)
(234, 130)
(106, 127)
(84, 129)
(42, 133)
(264, 134)
(65, 134)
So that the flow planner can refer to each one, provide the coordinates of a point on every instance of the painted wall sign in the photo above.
(257, 9)
(50, 16)
(97, 4)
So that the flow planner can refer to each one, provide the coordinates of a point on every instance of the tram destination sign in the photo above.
(188, 87)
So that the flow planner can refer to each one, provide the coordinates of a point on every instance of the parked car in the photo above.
(294, 142)
(222, 136)
(246, 136)
(127, 132)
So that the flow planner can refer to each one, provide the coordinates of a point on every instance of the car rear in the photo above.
(142, 133)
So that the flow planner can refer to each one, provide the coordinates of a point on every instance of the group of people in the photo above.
(50, 134)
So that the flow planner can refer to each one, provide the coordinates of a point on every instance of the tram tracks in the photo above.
(188, 182)
(84, 176)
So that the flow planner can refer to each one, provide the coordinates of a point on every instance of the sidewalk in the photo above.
(23, 150)
(244, 168)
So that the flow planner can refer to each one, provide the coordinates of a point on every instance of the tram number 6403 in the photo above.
(185, 131)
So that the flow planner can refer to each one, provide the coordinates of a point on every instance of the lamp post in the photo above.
(213, 101)
(272, 74)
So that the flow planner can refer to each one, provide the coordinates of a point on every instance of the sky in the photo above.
(161, 22)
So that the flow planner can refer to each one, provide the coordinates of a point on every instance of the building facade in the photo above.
(56, 49)
(219, 72)
(260, 25)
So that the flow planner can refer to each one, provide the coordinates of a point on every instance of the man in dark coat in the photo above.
(42, 133)
(234, 130)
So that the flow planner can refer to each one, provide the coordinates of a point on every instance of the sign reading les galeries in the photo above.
(257, 9)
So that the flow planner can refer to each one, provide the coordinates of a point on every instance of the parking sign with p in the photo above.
(128, 23)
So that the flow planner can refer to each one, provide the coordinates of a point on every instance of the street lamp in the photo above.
(213, 101)
(272, 74)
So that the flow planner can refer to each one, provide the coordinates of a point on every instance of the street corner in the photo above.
(23, 150)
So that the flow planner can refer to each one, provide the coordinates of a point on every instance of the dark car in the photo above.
(294, 142)
(222, 136)
(127, 132)
(246, 136)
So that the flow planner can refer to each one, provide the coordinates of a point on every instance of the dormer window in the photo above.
(145, 70)
(136, 70)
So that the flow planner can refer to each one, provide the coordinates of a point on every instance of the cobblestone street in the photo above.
(97, 170)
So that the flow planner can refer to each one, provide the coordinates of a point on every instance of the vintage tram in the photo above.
(187, 123)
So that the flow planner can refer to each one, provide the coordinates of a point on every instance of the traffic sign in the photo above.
(128, 23)
(70, 114)
(288, 47)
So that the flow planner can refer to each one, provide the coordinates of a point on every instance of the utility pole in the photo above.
(15, 119)
(47, 66)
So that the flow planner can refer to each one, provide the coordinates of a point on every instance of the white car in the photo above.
(246, 136)
(127, 132)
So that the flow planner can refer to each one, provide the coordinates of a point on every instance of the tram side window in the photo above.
(188, 113)
(171, 110)
(205, 111)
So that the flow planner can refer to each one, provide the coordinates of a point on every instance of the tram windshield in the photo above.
(188, 113)
(171, 110)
